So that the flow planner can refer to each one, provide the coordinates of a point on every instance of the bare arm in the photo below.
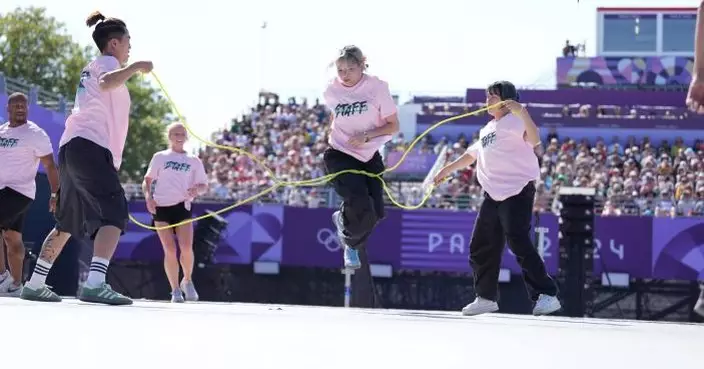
(532, 135)
(52, 173)
(146, 187)
(391, 127)
(462, 162)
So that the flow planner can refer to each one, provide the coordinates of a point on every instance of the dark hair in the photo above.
(353, 54)
(106, 30)
(505, 90)
(16, 96)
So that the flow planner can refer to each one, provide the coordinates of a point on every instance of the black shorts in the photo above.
(13, 209)
(172, 214)
(90, 194)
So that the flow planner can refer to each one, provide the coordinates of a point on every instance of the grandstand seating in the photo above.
(632, 178)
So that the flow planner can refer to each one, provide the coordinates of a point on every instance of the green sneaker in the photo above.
(103, 295)
(42, 294)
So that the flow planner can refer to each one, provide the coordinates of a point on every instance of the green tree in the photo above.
(36, 48)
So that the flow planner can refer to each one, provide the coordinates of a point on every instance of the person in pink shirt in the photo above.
(364, 117)
(173, 180)
(23, 145)
(91, 200)
(507, 168)
(695, 101)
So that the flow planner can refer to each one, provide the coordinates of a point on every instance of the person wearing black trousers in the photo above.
(507, 167)
(364, 118)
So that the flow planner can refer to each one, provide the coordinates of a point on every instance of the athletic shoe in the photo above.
(480, 306)
(699, 307)
(546, 305)
(189, 290)
(5, 281)
(12, 291)
(103, 294)
(177, 295)
(41, 294)
(352, 258)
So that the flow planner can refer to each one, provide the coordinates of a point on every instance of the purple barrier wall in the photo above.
(52, 122)
(692, 122)
(414, 163)
(438, 240)
(591, 96)
(624, 71)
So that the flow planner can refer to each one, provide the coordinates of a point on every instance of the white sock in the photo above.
(98, 270)
(41, 270)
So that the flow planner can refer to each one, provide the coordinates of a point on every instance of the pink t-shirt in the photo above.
(505, 161)
(174, 173)
(20, 150)
(100, 116)
(357, 109)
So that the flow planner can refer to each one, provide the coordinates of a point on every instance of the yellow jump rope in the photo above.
(306, 183)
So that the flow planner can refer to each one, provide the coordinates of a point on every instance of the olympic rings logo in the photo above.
(328, 238)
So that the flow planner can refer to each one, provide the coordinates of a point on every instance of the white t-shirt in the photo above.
(505, 161)
(174, 174)
(20, 150)
(100, 116)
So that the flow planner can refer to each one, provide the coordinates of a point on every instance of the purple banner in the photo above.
(414, 163)
(690, 123)
(52, 122)
(678, 248)
(628, 71)
(252, 234)
(311, 239)
(432, 240)
(594, 96)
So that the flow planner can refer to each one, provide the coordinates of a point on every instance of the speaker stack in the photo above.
(206, 238)
(576, 249)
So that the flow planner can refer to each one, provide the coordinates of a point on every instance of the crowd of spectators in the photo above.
(631, 178)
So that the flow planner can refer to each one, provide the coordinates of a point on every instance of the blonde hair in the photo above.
(171, 127)
(352, 54)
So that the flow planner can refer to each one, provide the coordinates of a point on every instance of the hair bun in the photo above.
(94, 18)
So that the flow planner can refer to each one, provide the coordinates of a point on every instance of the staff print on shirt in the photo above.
(179, 167)
(347, 110)
(488, 139)
(9, 142)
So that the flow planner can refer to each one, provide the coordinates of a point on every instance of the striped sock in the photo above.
(41, 270)
(98, 270)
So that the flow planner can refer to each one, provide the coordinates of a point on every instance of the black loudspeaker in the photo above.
(206, 238)
(576, 250)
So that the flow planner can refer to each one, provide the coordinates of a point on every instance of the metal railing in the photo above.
(406, 193)
(36, 95)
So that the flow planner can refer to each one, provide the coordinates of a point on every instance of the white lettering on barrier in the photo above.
(618, 250)
(457, 242)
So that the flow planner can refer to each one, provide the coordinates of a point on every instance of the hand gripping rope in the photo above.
(306, 183)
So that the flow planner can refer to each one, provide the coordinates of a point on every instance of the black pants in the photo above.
(362, 196)
(498, 222)
(90, 194)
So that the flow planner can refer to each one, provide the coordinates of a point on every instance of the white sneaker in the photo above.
(480, 306)
(546, 305)
(5, 281)
(699, 307)
(12, 291)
